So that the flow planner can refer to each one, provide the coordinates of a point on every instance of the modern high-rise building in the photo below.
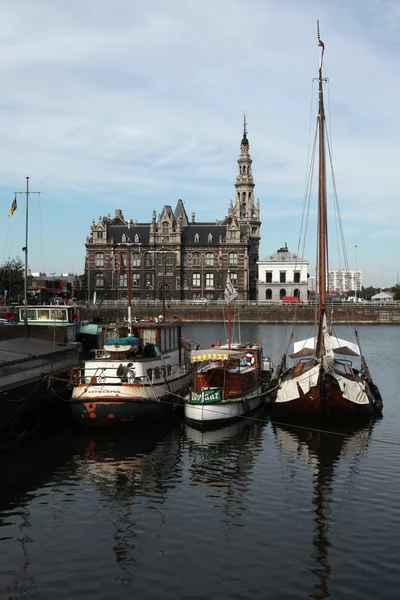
(343, 280)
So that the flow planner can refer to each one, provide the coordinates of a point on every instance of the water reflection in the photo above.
(133, 472)
(322, 451)
(222, 461)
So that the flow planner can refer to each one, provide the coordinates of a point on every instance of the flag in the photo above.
(230, 293)
(13, 208)
(121, 266)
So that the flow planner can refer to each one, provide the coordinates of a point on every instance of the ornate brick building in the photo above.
(188, 259)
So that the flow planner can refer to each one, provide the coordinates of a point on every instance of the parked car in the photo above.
(291, 300)
(199, 301)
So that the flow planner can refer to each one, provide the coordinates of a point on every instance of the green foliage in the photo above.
(396, 290)
(368, 292)
(12, 279)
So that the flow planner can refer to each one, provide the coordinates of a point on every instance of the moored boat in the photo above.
(137, 376)
(230, 383)
(231, 379)
(324, 380)
(35, 361)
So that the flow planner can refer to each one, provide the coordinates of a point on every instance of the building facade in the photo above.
(282, 274)
(344, 280)
(172, 255)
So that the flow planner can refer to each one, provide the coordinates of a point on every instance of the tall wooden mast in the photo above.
(322, 258)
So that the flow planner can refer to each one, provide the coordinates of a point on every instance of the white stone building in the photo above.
(282, 274)
(342, 280)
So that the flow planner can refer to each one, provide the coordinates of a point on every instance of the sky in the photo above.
(127, 104)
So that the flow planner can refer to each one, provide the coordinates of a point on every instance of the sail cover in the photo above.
(307, 347)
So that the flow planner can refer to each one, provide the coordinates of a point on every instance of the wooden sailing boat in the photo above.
(324, 382)
(230, 379)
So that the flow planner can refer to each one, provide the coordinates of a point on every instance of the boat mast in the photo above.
(322, 212)
(25, 248)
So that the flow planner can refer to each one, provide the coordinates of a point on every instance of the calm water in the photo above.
(255, 510)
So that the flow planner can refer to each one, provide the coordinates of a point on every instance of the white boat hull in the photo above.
(222, 412)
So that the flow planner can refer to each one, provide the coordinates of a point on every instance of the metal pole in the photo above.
(355, 277)
(163, 287)
(129, 290)
(26, 256)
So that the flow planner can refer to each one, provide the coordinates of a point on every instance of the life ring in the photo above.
(250, 359)
(74, 375)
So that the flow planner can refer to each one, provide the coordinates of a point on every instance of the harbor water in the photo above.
(259, 509)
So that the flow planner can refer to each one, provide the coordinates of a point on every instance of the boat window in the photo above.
(169, 370)
(156, 373)
(168, 340)
(43, 314)
(149, 336)
(163, 346)
(31, 314)
(57, 315)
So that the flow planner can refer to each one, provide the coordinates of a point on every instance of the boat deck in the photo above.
(19, 349)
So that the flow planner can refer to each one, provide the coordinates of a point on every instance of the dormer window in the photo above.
(197, 238)
(100, 235)
(164, 228)
(210, 238)
(137, 239)
(123, 237)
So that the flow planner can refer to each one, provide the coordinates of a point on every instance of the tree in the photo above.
(12, 279)
(396, 291)
(369, 292)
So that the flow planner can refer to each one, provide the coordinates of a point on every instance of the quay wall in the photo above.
(249, 314)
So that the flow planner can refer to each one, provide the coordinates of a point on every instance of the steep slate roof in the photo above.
(180, 210)
(142, 229)
(203, 230)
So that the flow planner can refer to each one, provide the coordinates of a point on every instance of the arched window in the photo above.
(296, 294)
(99, 259)
(99, 280)
(209, 259)
(282, 293)
(268, 294)
(136, 259)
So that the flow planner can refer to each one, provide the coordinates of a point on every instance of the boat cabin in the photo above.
(51, 316)
(147, 340)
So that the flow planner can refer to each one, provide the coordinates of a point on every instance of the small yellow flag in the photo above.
(13, 208)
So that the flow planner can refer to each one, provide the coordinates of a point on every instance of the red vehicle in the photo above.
(291, 300)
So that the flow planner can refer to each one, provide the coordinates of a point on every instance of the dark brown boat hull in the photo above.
(332, 404)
